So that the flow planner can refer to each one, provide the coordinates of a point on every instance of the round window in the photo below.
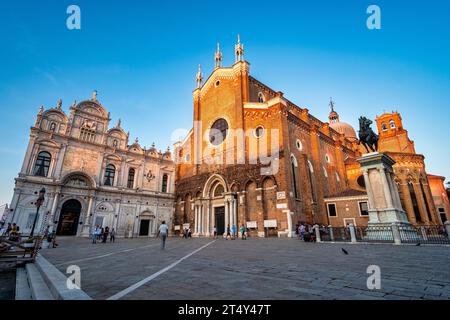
(218, 132)
(187, 158)
(299, 145)
(217, 83)
(327, 158)
(259, 131)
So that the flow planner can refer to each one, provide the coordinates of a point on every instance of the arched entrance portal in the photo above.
(68, 218)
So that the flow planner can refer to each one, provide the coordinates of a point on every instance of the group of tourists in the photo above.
(12, 231)
(101, 234)
(306, 232)
(231, 232)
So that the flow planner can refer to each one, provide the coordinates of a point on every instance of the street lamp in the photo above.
(39, 203)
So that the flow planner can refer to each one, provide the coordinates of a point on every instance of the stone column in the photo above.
(232, 213)
(421, 203)
(59, 164)
(289, 222)
(395, 194)
(352, 233)
(386, 189)
(447, 228)
(202, 220)
(396, 234)
(235, 208)
(86, 229)
(227, 221)
(26, 161)
(408, 202)
(208, 226)
(54, 206)
(316, 228)
(196, 220)
(369, 189)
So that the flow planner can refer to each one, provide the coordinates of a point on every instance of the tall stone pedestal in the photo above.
(385, 209)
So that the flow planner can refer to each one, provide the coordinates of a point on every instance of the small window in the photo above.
(338, 179)
(327, 158)
(42, 164)
(299, 145)
(164, 183)
(364, 208)
(130, 182)
(115, 143)
(383, 126)
(261, 97)
(332, 212)
(392, 124)
(110, 173)
(53, 127)
(217, 83)
(325, 173)
(259, 131)
(187, 158)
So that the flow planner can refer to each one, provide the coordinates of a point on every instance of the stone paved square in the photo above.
(268, 269)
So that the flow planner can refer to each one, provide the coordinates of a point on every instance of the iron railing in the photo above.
(424, 234)
(385, 234)
(381, 234)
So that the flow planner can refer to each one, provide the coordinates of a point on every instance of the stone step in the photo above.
(39, 289)
(23, 291)
(57, 281)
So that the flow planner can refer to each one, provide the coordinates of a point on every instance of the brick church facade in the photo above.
(221, 178)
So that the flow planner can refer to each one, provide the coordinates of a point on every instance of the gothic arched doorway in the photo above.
(68, 218)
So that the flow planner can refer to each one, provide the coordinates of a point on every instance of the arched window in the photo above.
(392, 124)
(260, 97)
(42, 164)
(130, 183)
(110, 173)
(115, 143)
(219, 191)
(294, 177)
(164, 183)
(53, 127)
(383, 126)
(311, 181)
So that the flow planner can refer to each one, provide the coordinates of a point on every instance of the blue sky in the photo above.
(142, 57)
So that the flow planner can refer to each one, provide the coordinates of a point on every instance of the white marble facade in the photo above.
(91, 176)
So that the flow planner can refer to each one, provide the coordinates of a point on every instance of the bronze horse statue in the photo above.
(367, 137)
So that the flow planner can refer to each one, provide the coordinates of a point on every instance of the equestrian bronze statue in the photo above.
(367, 137)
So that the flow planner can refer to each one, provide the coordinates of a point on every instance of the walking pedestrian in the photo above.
(228, 232)
(215, 232)
(163, 232)
(233, 231)
(242, 230)
(105, 234)
(112, 236)
(94, 234)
